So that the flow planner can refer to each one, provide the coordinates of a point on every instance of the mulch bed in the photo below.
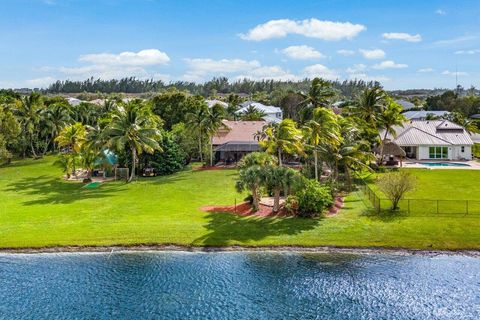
(245, 209)
(335, 208)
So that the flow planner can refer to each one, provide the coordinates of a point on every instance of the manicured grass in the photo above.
(38, 208)
(446, 184)
(439, 192)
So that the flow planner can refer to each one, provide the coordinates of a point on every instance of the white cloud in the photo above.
(302, 53)
(345, 52)
(473, 51)
(139, 64)
(146, 57)
(312, 28)
(449, 42)
(372, 54)
(39, 82)
(402, 36)
(426, 70)
(389, 64)
(319, 70)
(454, 73)
(440, 12)
(200, 68)
(357, 68)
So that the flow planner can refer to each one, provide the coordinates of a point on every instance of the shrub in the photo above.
(313, 198)
(395, 184)
(291, 205)
(170, 160)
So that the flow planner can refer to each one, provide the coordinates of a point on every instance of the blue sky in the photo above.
(403, 44)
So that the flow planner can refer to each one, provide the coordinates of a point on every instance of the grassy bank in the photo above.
(38, 209)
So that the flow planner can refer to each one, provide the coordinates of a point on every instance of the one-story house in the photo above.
(213, 102)
(433, 139)
(422, 114)
(272, 113)
(406, 105)
(234, 139)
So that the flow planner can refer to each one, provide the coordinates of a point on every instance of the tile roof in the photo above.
(238, 131)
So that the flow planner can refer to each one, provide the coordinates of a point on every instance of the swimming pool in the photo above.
(444, 164)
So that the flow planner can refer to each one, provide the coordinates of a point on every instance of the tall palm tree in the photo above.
(212, 122)
(252, 114)
(28, 113)
(72, 137)
(352, 152)
(251, 179)
(390, 117)
(134, 128)
(56, 117)
(321, 94)
(369, 104)
(196, 122)
(281, 138)
(321, 129)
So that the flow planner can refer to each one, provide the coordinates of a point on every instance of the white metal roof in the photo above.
(213, 102)
(259, 106)
(430, 132)
(411, 115)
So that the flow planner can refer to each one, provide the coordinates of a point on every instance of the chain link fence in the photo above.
(423, 206)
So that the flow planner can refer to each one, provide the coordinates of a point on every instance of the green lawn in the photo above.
(448, 190)
(38, 208)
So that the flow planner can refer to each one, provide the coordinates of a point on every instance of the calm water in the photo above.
(238, 286)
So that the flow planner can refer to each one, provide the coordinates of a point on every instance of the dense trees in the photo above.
(135, 128)
(262, 91)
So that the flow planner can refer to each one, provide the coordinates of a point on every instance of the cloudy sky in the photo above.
(403, 44)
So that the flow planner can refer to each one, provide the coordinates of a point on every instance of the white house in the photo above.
(423, 115)
(213, 102)
(273, 114)
(433, 139)
(74, 101)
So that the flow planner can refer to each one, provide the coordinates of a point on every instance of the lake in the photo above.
(238, 285)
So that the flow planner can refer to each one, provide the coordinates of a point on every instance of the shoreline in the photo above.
(236, 248)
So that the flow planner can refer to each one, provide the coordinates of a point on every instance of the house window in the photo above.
(463, 149)
(438, 152)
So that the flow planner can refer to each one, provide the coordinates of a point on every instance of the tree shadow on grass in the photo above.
(226, 227)
(384, 215)
(48, 190)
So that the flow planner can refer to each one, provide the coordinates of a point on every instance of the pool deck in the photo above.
(417, 164)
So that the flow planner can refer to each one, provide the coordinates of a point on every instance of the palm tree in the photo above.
(321, 129)
(72, 137)
(65, 162)
(251, 179)
(252, 114)
(469, 124)
(134, 128)
(212, 122)
(257, 159)
(196, 122)
(390, 117)
(28, 113)
(283, 137)
(55, 118)
(321, 94)
(352, 152)
(369, 104)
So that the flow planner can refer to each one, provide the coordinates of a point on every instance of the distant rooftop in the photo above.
(421, 115)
